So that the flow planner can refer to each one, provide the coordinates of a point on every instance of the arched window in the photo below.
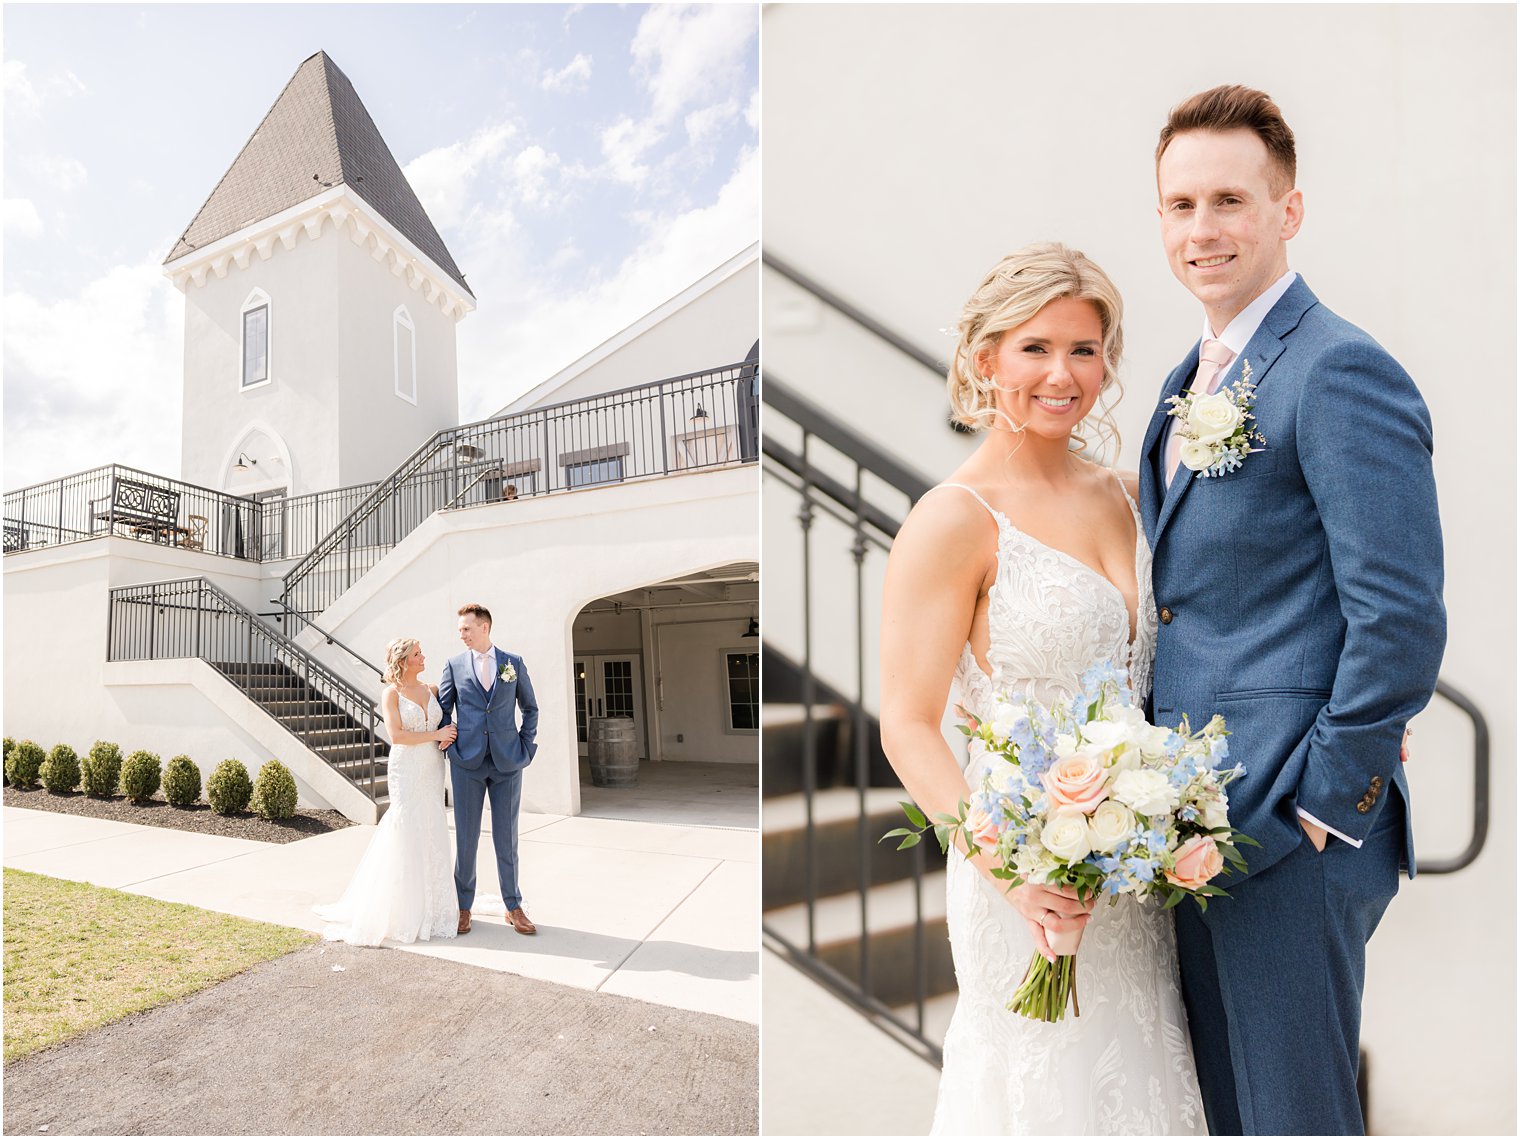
(405, 346)
(255, 340)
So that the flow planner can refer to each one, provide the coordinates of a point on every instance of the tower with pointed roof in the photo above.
(320, 305)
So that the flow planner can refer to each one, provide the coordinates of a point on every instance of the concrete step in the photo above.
(784, 731)
(937, 1013)
(300, 714)
(890, 915)
(837, 831)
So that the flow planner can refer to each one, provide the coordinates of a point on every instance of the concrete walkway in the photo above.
(662, 913)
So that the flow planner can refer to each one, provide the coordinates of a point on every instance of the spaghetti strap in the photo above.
(997, 515)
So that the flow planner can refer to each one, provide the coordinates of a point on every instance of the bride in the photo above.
(404, 887)
(1022, 570)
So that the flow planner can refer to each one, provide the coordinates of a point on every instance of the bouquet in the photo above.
(1091, 796)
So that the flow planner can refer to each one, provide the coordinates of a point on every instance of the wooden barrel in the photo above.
(612, 745)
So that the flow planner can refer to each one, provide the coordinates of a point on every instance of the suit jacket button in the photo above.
(1376, 785)
(1166, 615)
(1365, 805)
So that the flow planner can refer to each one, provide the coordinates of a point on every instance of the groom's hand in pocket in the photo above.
(1050, 909)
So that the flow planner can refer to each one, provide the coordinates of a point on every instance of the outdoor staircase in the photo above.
(303, 710)
(871, 921)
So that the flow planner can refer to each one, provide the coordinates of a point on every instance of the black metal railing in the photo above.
(292, 527)
(192, 618)
(862, 494)
(695, 422)
(116, 499)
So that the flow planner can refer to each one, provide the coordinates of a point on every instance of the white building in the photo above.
(329, 500)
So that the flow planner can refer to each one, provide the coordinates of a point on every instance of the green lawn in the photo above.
(78, 956)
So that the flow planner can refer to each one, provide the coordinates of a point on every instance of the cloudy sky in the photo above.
(582, 162)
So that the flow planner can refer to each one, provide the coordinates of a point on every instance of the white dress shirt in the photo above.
(1236, 335)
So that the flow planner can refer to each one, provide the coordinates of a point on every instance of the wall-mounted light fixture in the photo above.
(244, 462)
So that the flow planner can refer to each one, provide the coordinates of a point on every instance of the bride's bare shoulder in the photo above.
(948, 524)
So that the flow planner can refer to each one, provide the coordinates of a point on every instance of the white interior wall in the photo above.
(908, 148)
(693, 724)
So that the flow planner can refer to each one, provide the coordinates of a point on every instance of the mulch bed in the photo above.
(200, 818)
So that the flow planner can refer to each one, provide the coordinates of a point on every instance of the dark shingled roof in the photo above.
(318, 127)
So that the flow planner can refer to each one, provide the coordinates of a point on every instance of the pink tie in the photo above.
(1213, 358)
(483, 671)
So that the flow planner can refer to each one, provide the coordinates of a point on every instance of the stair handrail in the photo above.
(327, 637)
(362, 710)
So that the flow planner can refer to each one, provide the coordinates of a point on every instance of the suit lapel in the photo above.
(1153, 488)
(467, 663)
(1262, 352)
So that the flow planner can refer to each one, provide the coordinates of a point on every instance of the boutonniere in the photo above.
(1216, 429)
(506, 672)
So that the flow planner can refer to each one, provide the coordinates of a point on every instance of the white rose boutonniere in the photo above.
(1216, 428)
(507, 672)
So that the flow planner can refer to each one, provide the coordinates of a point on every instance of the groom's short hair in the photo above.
(479, 612)
(1234, 107)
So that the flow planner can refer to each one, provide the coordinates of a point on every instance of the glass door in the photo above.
(609, 686)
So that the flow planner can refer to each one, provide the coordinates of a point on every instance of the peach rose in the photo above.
(1078, 781)
(983, 827)
(1198, 860)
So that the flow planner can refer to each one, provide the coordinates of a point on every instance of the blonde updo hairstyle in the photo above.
(395, 655)
(1020, 286)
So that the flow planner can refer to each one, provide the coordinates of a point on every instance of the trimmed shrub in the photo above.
(23, 763)
(229, 789)
(9, 743)
(101, 769)
(274, 792)
(182, 781)
(60, 770)
(140, 776)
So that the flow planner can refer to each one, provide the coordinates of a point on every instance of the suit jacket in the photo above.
(1302, 592)
(487, 722)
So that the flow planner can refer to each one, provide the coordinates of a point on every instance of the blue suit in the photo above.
(1301, 600)
(488, 758)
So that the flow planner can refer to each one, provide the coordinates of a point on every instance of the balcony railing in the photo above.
(695, 422)
(131, 503)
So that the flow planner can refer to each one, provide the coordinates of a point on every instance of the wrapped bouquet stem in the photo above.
(1089, 795)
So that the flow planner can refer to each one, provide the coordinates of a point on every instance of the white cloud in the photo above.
(530, 174)
(21, 218)
(442, 178)
(624, 145)
(24, 95)
(752, 111)
(94, 378)
(539, 324)
(706, 122)
(62, 174)
(574, 76)
(687, 53)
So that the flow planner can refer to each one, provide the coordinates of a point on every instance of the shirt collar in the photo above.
(1237, 334)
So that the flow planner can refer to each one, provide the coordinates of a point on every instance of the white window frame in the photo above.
(728, 706)
(256, 299)
(400, 319)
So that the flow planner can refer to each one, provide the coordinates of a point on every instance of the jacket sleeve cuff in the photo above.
(1308, 818)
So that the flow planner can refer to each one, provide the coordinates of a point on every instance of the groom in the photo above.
(482, 686)
(1300, 597)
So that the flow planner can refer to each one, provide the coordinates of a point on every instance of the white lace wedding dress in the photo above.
(403, 889)
(1125, 1066)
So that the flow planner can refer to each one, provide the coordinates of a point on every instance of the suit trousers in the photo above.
(470, 791)
(1272, 979)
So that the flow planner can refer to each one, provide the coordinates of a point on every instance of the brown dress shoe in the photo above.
(464, 921)
(520, 921)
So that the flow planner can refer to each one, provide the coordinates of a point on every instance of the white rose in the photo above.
(1213, 418)
(1214, 814)
(1148, 792)
(1196, 455)
(1110, 824)
(1065, 835)
(1105, 735)
(1066, 744)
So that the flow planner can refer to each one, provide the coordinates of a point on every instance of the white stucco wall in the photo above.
(689, 659)
(908, 148)
(376, 428)
(716, 326)
(300, 402)
(331, 398)
(535, 564)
